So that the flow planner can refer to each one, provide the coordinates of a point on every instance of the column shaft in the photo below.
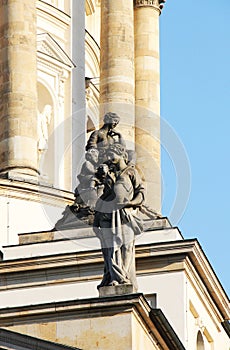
(117, 64)
(78, 88)
(18, 91)
(147, 98)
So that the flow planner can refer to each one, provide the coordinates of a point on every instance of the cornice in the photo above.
(34, 190)
(62, 309)
(192, 249)
(175, 253)
(50, 50)
(156, 4)
(203, 294)
(153, 320)
(208, 277)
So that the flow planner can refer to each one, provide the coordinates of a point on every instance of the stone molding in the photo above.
(50, 49)
(157, 4)
(152, 321)
(53, 11)
(184, 255)
(33, 190)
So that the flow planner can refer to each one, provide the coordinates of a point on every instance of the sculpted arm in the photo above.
(138, 189)
(139, 195)
(93, 141)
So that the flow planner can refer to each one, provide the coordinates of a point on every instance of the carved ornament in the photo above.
(157, 4)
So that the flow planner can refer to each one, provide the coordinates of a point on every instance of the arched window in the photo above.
(200, 342)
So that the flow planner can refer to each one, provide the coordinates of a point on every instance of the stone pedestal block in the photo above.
(116, 290)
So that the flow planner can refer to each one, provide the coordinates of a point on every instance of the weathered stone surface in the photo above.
(18, 104)
(116, 290)
(97, 323)
(147, 98)
(117, 63)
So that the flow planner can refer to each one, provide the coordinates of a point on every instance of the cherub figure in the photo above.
(83, 193)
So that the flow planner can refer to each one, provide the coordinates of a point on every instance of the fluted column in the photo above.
(117, 64)
(18, 102)
(147, 97)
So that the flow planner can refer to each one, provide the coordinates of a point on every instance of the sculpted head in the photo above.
(111, 119)
(116, 152)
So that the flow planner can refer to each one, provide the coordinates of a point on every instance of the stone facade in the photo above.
(173, 274)
(89, 60)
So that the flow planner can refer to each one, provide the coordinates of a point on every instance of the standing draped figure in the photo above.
(116, 221)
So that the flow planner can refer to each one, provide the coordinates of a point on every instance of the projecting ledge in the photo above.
(117, 321)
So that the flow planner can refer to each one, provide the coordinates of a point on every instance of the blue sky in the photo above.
(195, 91)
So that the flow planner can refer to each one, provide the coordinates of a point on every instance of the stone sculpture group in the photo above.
(109, 196)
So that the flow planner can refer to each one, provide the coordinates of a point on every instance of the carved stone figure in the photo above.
(82, 210)
(104, 137)
(97, 182)
(84, 193)
(44, 120)
(116, 219)
(109, 196)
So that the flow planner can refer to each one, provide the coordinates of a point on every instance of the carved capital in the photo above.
(157, 4)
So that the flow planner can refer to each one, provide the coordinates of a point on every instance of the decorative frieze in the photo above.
(158, 4)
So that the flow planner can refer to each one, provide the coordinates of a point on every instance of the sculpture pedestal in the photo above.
(116, 290)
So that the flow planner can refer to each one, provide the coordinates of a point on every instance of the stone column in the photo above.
(18, 90)
(147, 97)
(78, 88)
(117, 64)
